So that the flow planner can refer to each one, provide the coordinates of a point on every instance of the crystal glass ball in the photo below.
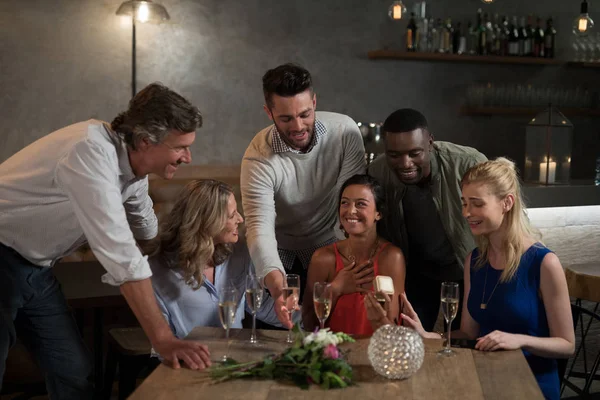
(396, 352)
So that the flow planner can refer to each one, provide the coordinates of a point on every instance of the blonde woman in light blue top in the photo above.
(197, 254)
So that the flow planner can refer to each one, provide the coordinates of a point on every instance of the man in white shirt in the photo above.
(88, 183)
(291, 175)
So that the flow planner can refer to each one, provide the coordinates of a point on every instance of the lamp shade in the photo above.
(144, 11)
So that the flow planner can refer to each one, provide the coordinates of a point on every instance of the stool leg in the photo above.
(112, 360)
(590, 378)
(128, 372)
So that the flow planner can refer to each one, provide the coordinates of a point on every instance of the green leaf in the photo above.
(315, 375)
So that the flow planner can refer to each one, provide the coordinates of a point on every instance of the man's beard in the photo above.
(284, 136)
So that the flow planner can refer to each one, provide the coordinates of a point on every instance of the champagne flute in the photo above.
(227, 308)
(254, 299)
(449, 298)
(322, 298)
(291, 293)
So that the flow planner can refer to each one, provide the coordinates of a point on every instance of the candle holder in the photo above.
(548, 146)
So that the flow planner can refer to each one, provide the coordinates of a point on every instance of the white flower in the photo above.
(322, 338)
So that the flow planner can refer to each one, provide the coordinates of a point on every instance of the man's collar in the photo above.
(125, 169)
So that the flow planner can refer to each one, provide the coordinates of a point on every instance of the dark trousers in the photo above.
(424, 295)
(34, 309)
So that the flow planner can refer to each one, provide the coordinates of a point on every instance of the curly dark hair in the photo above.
(285, 80)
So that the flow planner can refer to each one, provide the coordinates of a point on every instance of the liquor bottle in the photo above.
(531, 32)
(459, 40)
(504, 34)
(538, 39)
(431, 31)
(411, 34)
(549, 39)
(490, 36)
(437, 35)
(422, 33)
(522, 38)
(513, 38)
(447, 33)
(525, 30)
(497, 45)
(481, 35)
(471, 39)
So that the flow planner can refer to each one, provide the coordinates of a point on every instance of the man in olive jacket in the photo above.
(424, 214)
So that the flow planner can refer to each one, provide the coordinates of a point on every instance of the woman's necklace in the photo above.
(373, 251)
(483, 304)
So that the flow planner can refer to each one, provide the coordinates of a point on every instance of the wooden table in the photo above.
(82, 286)
(584, 281)
(470, 375)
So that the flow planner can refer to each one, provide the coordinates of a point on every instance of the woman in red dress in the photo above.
(351, 265)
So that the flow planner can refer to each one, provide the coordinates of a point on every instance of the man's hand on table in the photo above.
(194, 354)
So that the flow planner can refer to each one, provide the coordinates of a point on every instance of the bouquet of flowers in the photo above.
(313, 358)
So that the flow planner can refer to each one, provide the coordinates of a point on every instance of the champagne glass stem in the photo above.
(289, 337)
(448, 335)
(225, 357)
(253, 336)
(322, 323)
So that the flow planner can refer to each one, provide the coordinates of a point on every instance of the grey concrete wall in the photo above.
(66, 60)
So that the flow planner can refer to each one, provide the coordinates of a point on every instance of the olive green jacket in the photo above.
(449, 162)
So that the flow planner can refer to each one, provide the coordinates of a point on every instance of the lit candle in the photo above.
(551, 172)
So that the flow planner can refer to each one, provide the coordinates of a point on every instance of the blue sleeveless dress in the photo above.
(516, 307)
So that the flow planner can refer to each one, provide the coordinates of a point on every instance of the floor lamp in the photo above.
(141, 11)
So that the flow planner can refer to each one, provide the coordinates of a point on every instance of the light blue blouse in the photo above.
(185, 308)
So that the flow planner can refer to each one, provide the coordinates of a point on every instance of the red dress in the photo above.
(349, 315)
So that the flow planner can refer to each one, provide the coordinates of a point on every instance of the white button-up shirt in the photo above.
(72, 186)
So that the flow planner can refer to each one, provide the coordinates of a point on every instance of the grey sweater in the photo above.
(290, 200)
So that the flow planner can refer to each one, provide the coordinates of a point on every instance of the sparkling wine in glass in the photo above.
(322, 298)
(254, 300)
(227, 308)
(449, 299)
(291, 293)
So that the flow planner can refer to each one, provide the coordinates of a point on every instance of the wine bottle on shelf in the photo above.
(471, 39)
(522, 37)
(538, 39)
(490, 36)
(513, 38)
(447, 34)
(459, 41)
(481, 35)
(422, 33)
(524, 33)
(437, 35)
(496, 45)
(549, 39)
(504, 34)
(431, 31)
(411, 34)
(530, 34)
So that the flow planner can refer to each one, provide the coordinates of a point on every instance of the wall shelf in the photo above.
(464, 58)
(581, 64)
(528, 112)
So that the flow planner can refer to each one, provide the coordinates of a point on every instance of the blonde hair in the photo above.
(186, 235)
(500, 176)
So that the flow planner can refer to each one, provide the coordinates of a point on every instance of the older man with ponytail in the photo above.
(516, 291)
(88, 182)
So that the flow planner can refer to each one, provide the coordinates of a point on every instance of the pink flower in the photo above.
(331, 351)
